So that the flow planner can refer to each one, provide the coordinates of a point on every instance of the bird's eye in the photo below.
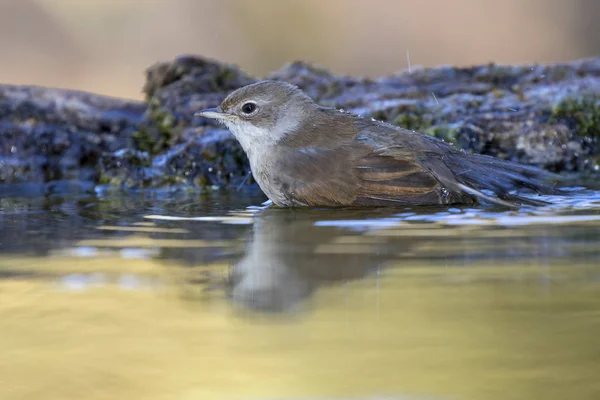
(249, 108)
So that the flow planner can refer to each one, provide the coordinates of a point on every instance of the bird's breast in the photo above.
(269, 177)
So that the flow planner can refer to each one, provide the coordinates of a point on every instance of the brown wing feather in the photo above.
(317, 177)
(347, 178)
(385, 179)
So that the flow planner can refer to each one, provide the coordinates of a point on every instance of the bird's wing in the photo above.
(381, 168)
(393, 175)
(315, 176)
(395, 171)
(460, 176)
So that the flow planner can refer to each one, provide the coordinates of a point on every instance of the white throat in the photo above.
(257, 140)
(252, 138)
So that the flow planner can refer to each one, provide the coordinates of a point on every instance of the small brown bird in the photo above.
(302, 154)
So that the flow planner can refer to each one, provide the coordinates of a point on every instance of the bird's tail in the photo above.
(476, 173)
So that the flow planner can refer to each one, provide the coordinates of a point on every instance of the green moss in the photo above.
(446, 132)
(412, 117)
(412, 121)
(159, 131)
(201, 180)
(104, 180)
(137, 160)
(518, 90)
(224, 76)
(581, 114)
(114, 181)
(473, 104)
(497, 75)
(143, 140)
(171, 180)
(498, 94)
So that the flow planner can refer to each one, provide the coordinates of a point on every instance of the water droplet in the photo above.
(210, 169)
(13, 149)
(596, 167)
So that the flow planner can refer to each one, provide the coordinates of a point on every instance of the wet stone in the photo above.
(544, 115)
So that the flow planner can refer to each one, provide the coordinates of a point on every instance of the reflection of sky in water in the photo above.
(79, 282)
(76, 282)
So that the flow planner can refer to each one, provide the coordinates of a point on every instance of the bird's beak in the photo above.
(216, 113)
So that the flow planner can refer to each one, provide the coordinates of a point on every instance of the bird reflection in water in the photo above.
(294, 252)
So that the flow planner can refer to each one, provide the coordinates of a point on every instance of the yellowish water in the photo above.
(113, 325)
(409, 332)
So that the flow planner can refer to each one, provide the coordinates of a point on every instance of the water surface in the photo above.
(187, 296)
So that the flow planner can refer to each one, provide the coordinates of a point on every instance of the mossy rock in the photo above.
(581, 114)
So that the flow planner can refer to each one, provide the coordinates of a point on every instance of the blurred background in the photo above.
(105, 45)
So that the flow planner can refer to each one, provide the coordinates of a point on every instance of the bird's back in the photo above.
(344, 160)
